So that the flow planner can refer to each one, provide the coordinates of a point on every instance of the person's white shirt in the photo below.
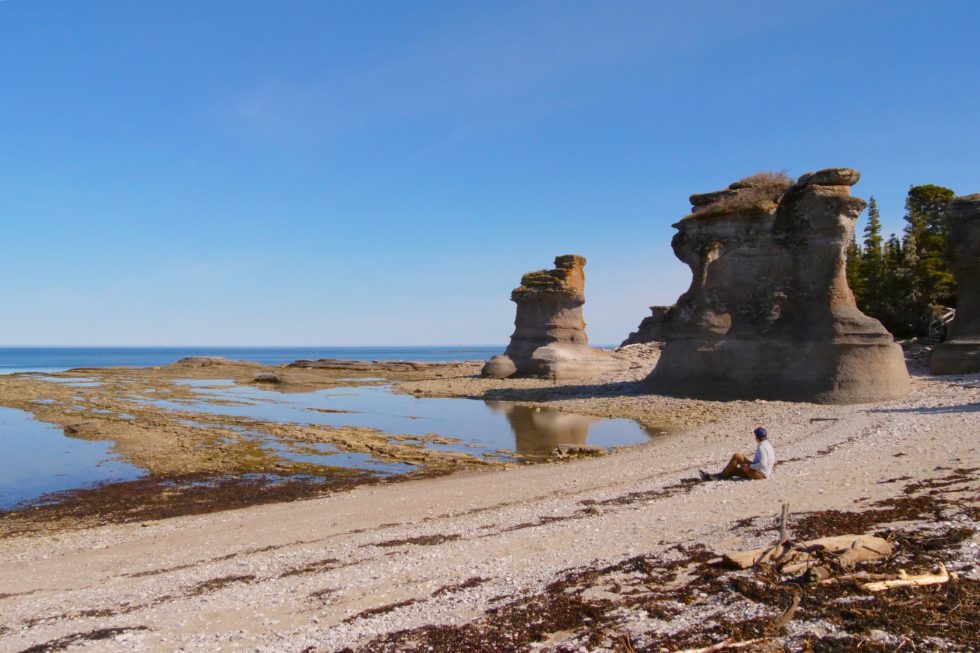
(765, 458)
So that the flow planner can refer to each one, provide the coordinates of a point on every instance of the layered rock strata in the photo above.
(769, 314)
(651, 327)
(960, 353)
(549, 340)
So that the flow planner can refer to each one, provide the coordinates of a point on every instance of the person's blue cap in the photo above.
(761, 432)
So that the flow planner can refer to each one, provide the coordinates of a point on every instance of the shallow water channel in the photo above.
(480, 426)
(39, 459)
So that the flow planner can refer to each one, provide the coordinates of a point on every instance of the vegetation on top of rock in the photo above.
(565, 278)
(756, 193)
(544, 281)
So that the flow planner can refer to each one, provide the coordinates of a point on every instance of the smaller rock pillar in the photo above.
(549, 339)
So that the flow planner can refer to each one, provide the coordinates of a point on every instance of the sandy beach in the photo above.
(477, 560)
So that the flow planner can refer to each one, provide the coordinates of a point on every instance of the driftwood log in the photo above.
(726, 645)
(904, 580)
(795, 557)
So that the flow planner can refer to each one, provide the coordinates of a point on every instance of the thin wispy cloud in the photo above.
(501, 67)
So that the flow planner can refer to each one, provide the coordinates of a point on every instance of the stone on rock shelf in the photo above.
(549, 340)
(960, 353)
(769, 314)
(651, 327)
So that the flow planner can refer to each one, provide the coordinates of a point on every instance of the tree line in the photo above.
(905, 282)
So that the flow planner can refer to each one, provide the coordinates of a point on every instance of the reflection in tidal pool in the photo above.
(481, 426)
(38, 458)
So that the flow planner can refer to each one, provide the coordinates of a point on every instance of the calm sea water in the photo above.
(53, 359)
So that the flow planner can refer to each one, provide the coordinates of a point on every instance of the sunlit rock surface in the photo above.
(549, 340)
(960, 353)
(769, 314)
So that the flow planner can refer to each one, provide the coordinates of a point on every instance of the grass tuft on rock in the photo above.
(758, 193)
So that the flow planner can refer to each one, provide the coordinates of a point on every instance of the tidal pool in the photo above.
(481, 426)
(38, 458)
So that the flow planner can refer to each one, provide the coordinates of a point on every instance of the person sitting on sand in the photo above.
(760, 467)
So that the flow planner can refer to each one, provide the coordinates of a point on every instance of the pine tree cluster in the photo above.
(905, 283)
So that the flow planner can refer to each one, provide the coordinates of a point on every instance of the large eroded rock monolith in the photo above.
(769, 314)
(549, 340)
(960, 353)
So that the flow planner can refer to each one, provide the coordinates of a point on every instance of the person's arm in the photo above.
(757, 462)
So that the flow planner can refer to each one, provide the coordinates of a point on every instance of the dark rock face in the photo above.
(549, 340)
(769, 314)
(651, 328)
(960, 353)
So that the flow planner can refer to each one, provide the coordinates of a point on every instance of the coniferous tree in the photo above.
(873, 262)
(903, 281)
(931, 284)
(855, 274)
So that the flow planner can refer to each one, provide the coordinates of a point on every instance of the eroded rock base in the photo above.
(789, 371)
(956, 357)
(557, 361)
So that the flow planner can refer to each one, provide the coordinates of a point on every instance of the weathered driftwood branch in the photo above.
(780, 622)
(904, 580)
(723, 646)
(861, 576)
(795, 557)
(783, 534)
(627, 643)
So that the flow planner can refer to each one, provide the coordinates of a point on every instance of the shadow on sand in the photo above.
(556, 393)
(932, 410)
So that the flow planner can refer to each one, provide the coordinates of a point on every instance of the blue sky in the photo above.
(340, 173)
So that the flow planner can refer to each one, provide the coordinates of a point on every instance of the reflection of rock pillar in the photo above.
(537, 432)
(960, 353)
(549, 339)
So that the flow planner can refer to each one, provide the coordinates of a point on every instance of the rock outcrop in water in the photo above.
(960, 353)
(769, 314)
(549, 340)
(651, 327)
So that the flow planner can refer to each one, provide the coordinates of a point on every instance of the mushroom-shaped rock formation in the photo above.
(769, 314)
(651, 327)
(960, 353)
(549, 340)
